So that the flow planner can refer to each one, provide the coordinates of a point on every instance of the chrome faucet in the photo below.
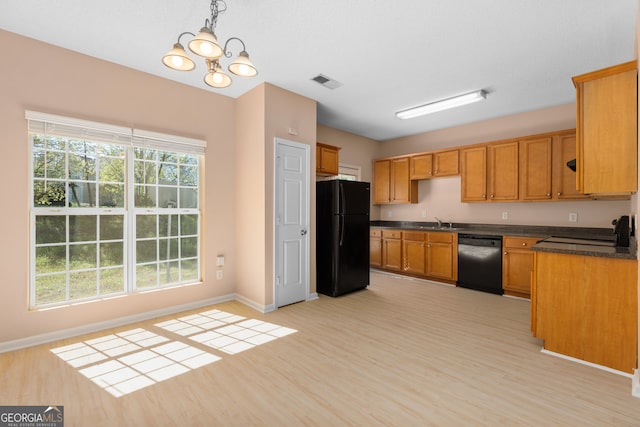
(439, 221)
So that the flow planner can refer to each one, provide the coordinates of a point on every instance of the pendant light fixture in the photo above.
(206, 45)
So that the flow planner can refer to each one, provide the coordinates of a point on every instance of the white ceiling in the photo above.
(389, 55)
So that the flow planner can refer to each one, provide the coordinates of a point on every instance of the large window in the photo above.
(114, 210)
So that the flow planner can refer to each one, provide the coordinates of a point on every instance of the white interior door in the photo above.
(291, 222)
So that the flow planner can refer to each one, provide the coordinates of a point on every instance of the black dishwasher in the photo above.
(480, 262)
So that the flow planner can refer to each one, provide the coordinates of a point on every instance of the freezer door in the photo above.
(354, 197)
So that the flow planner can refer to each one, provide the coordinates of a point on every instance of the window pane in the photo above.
(54, 165)
(51, 229)
(146, 276)
(111, 280)
(50, 289)
(145, 196)
(168, 197)
(111, 195)
(38, 163)
(111, 169)
(55, 143)
(189, 247)
(188, 198)
(145, 226)
(111, 227)
(51, 259)
(168, 174)
(82, 194)
(82, 284)
(49, 193)
(188, 175)
(111, 254)
(169, 272)
(82, 167)
(188, 225)
(189, 270)
(146, 251)
(82, 257)
(82, 228)
(170, 247)
(168, 225)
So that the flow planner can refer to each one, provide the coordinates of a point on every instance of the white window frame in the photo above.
(350, 170)
(42, 123)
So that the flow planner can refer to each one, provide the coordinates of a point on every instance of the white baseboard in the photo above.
(635, 383)
(252, 304)
(584, 362)
(313, 296)
(107, 324)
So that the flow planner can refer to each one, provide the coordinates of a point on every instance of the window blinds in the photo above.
(69, 127)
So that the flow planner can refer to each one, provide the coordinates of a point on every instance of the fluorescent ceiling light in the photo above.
(443, 104)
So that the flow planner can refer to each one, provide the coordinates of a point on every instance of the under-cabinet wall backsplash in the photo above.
(440, 197)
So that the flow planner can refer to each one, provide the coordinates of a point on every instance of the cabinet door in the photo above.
(392, 254)
(446, 163)
(565, 186)
(607, 130)
(375, 247)
(502, 162)
(381, 181)
(329, 161)
(413, 252)
(442, 256)
(473, 174)
(535, 168)
(403, 190)
(421, 166)
(517, 265)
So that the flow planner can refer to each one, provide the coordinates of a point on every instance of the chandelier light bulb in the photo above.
(177, 61)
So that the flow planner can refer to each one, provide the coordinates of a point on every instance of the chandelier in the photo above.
(206, 45)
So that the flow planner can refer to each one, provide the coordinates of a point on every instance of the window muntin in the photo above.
(85, 242)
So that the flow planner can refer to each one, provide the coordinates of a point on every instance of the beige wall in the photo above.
(58, 81)
(265, 113)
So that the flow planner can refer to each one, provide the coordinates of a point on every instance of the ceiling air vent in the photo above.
(326, 81)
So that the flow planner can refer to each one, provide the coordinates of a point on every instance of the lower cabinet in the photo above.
(416, 253)
(375, 247)
(517, 265)
(392, 250)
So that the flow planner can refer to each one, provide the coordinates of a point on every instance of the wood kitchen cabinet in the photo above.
(414, 252)
(535, 171)
(564, 179)
(517, 265)
(375, 247)
(586, 307)
(326, 159)
(502, 171)
(473, 174)
(607, 130)
(392, 250)
(435, 164)
(442, 255)
(391, 182)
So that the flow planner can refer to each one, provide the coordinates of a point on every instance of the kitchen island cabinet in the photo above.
(586, 307)
(517, 265)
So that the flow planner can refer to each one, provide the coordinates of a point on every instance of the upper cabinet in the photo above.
(564, 179)
(473, 173)
(326, 159)
(435, 164)
(502, 171)
(607, 131)
(536, 168)
(391, 181)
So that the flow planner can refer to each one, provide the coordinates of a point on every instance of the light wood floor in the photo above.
(401, 353)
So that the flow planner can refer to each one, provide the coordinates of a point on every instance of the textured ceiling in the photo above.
(388, 55)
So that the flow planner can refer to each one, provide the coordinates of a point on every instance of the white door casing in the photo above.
(291, 205)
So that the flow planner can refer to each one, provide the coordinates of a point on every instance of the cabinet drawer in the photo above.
(514, 242)
(392, 234)
(375, 232)
(441, 237)
(417, 236)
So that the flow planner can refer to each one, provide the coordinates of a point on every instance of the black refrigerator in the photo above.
(342, 236)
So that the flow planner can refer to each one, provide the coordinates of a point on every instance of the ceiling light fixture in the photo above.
(441, 105)
(205, 44)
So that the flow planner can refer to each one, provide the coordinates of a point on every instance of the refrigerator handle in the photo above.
(341, 229)
(341, 208)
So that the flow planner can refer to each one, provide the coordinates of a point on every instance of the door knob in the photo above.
(303, 232)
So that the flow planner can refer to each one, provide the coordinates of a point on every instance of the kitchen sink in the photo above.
(443, 228)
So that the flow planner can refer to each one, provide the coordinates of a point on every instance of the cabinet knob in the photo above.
(484, 196)
(492, 196)
(505, 252)
(524, 244)
(559, 193)
(548, 194)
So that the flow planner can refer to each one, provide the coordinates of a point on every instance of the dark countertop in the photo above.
(529, 231)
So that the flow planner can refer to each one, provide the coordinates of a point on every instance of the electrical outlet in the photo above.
(389, 214)
(219, 274)
(220, 261)
(423, 214)
(573, 217)
(505, 215)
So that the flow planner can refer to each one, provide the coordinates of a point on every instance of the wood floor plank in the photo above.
(401, 353)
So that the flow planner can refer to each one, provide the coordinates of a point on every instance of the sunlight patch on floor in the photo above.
(124, 362)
